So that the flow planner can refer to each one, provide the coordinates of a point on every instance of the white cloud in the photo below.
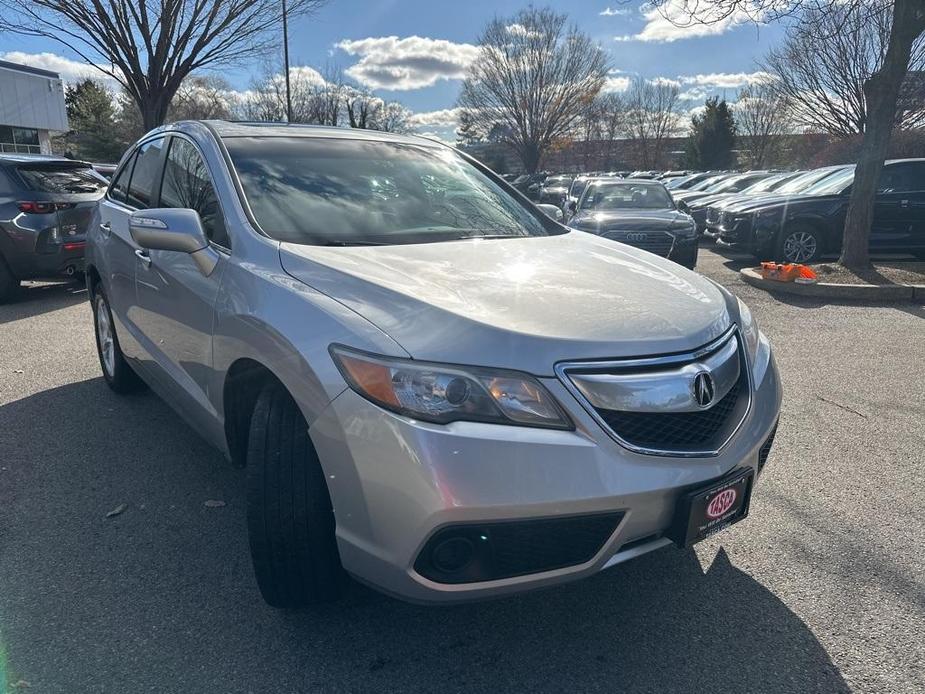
(444, 118)
(615, 11)
(727, 80)
(616, 82)
(664, 81)
(69, 70)
(680, 19)
(389, 62)
(521, 30)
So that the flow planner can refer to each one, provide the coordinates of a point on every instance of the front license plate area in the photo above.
(708, 510)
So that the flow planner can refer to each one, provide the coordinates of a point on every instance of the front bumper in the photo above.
(395, 482)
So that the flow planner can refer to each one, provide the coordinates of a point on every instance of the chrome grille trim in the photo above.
(563, 369)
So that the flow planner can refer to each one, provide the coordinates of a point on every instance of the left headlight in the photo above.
(749, 327)
(444, 393)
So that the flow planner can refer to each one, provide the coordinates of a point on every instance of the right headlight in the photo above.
(749, 327)
(444, 393)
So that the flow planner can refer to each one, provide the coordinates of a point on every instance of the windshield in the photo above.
(578, 187)
(61, 178)
(617, 196)
(677, 182)
(768, 184)
(708, 182)
(734, 184)
(557, 181)
(335, 191)
(832, 184)
(801, 183)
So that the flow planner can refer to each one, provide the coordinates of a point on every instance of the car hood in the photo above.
(712, 199)
(599, 221)
(518, 303)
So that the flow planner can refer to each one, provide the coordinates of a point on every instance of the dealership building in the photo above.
(31, 108)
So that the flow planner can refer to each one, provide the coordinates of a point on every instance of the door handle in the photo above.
(106, 228)
(143, 256)
(904, 203)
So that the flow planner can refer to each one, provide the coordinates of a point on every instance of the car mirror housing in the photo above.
(173, 229)
(551, 211)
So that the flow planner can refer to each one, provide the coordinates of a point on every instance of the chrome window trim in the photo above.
(562, 369)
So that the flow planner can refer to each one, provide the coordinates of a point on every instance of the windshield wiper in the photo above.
(355, 243)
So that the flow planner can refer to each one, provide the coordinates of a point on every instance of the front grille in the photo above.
(649, 405)
(713, 216)
(504, 549)
(673, 430)
(658, 242)
(765, 449)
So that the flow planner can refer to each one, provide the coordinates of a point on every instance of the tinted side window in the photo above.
(142, 190)
(118, 189)
(6, 186)
(187, 184)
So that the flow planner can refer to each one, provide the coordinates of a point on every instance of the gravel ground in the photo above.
(884, 272)
(822, 589)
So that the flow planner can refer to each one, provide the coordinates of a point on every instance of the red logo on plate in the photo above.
(721, 503)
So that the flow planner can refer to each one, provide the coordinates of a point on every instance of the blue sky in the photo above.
(414, 51)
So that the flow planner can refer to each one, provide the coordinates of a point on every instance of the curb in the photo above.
(863, 292)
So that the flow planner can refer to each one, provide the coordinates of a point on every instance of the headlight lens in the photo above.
(442, 393)
(749, 327)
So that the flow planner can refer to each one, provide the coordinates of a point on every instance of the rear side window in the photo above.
(146, 175)
(60, 178)
(118, 189)
(187, 184)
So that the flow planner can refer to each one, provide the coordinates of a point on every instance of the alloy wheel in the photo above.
(800, 246)
(105, 335)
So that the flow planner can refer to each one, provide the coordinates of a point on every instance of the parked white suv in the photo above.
(435, 387)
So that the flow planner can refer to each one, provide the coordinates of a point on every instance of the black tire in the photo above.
(116, 371)
(290, 519)
(8, 282)
(799, 243)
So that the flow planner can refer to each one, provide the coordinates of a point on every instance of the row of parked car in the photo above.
(787, 216)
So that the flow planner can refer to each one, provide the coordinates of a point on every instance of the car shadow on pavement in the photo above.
(160, 596)
(33, 299)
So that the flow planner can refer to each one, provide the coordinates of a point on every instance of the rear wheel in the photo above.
(799, 243)
(118, 374)
(8, 282)
(289, 514)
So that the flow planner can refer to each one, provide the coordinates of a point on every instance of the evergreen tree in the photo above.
(712, 137)
(91, 116)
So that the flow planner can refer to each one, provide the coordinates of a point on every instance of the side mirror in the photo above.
(174, 229)
(683, 206)
(551, 211)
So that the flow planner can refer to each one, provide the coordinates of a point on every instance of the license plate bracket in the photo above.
(707, 510)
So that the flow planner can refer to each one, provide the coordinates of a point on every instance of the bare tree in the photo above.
(315, 96)
(882, 89)
(822, 65)
(362, 107)
(534, 76)
(651, 118)
(201, 97)
(393, 118)
(151, 48)
(763, 119)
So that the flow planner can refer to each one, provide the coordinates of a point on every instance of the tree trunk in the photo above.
(530, 157)
(881, 92)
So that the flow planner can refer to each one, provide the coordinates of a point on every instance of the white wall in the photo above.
(31, 101)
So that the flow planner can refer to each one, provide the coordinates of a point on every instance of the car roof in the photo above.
(11, 158)
(227, 129)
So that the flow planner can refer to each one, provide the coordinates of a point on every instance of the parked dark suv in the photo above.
(801, 228)
(45, 207)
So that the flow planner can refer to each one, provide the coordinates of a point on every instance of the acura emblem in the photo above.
(703, 388)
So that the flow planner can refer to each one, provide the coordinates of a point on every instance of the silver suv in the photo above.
(435, 387)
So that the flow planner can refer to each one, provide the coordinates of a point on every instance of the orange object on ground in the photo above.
(786, 272)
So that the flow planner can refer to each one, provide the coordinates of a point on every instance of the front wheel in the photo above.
(799, 243)
(290, 519)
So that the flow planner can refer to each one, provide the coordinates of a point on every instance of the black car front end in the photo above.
(673, 236)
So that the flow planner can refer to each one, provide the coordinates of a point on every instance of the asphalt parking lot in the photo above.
(821, 589)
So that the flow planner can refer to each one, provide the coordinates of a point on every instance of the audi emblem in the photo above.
(637, 237)
(703, 388)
